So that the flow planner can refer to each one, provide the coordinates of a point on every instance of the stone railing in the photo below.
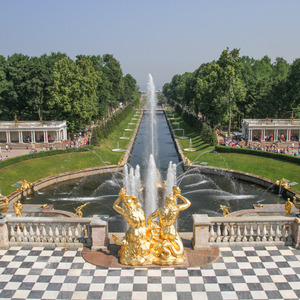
(245, 231)
(65, 231)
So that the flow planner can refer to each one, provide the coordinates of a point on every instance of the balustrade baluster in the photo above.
(31, 233)
(37, 233)
(284, 232)
(258, 238)
(277, 232)
(245, 233)
(225, 233)
(264, 232)
(70, 234)
(271, 233)
(25, 234)
(56, 234)
(212, 233)
(51, 240)
(290, 233)
(218, 239)
(12, 233)
(238, 233)
(232, 236)
(19, 238)
(44, 234)
(251, 233)
(63, 234)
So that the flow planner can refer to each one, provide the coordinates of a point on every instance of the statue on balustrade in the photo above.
(288, 207)
(18, 208)
(157, 243)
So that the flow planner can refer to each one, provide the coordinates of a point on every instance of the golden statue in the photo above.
(168, 245)
(135, 246)
(25, 186)
(225, 210)
(288, 207)
(78, 210)
(18, 208)
(296, 201)
(282, 183)
(3, 204)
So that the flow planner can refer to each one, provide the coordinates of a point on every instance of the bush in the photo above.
(278, 156)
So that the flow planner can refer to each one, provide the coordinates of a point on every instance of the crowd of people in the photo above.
(239, 141)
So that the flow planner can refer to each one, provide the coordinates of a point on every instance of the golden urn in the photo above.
(3, 204)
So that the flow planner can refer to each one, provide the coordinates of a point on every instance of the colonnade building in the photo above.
(32, 131)
(271, 130)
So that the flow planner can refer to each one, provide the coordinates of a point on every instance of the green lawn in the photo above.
(38, 168)
(261, 166)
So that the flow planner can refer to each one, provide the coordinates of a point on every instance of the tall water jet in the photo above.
(151, 104)
(171, 179)
(151, 187)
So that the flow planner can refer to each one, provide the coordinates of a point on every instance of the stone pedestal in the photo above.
(4, 242)
(99, 232)
(296, 232)
(201, 232)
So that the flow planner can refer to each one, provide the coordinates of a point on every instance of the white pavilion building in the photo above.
(271, 130)
(32, 131)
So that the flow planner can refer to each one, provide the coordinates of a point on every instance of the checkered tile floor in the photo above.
(240, 273)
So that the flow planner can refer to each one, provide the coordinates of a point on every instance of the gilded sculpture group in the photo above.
(146, 241)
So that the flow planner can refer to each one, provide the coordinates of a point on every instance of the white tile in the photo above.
(241, 287)
(251, 279)
(183, 287)
(68, 287)
(85, 279)
(287, 271)
(135, 295)
(259, 295)
(223, 279)
(168, 279)
(235, 272)
(288, 294)
(12, 285)
(125, 287)
(96, 287)
(40, 286)
(229, 295)
(152, 287)
(278, 278)
(171, 296)
(74, 272)
(127, 272)
(58, 279)
(270, 265)
(79, 295)
(212, 287)
(196, 279)
(140, 279)
(198, 296)
(269, 286)
(51, 295)
(112, 279)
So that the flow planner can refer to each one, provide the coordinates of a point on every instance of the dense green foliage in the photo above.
(278, 156)
(234, 87)
(109, 125)
(56, 87)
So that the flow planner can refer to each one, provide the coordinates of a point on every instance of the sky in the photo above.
(158, 37)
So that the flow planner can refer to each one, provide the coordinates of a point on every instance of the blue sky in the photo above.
(161, 37)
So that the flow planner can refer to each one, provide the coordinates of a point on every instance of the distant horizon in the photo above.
(163, 38)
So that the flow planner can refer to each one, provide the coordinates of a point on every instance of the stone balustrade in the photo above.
(45, 231)
(245, 231)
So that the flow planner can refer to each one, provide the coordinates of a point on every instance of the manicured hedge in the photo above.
(279, 156)
(106, 128)
(17, 159)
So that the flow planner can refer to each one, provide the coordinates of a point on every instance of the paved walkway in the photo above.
(239, 273)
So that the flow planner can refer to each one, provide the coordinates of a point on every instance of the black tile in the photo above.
(237, 279)
(168, 287)
(7, 294)
(87, 273)
(35, 272)
(65, 295)
(153, 296)
(184, 296)
(274, 252)
(266, 258)
(111, 287)
(35, 295)
(139, 273)
(77, 266)
(250, 253)
(167, 273)
(52, 265)
(273, 294)
(4, 264)
(194, 272)
(114, 273)
(292, 278)
(232, 266)
(54, 286)
(26, 286)
(197, 287)
(2, 285)
(274, 271)
(242, 259)
(283, 264)
(255, 286)
(95, 295)
(264, 278)
(247, 272)
(10, 271)
(67, 259)
(139, 287)
(19, 258)
(283, 286)
(244, 295)
(82, 287)
(221, 273)
(62, 272)
(226, 253)
(99, 279)
(226, 287)
(71, 279)
(43, 258)
(182, 280)
(154, 279)
(126, 279)
(57, 253)
(12, 252)
(26, 265)
(122, 295)
(257, 265)
(210, 279)
(17, 278)
(44, 278)
(34, 253)
(214, 296)
(290, 258)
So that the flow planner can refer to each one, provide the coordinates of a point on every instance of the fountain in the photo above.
(124, 137)
(118, 149)
(190, 149)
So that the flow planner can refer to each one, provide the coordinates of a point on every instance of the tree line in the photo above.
(235, 87)
(55, 87)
